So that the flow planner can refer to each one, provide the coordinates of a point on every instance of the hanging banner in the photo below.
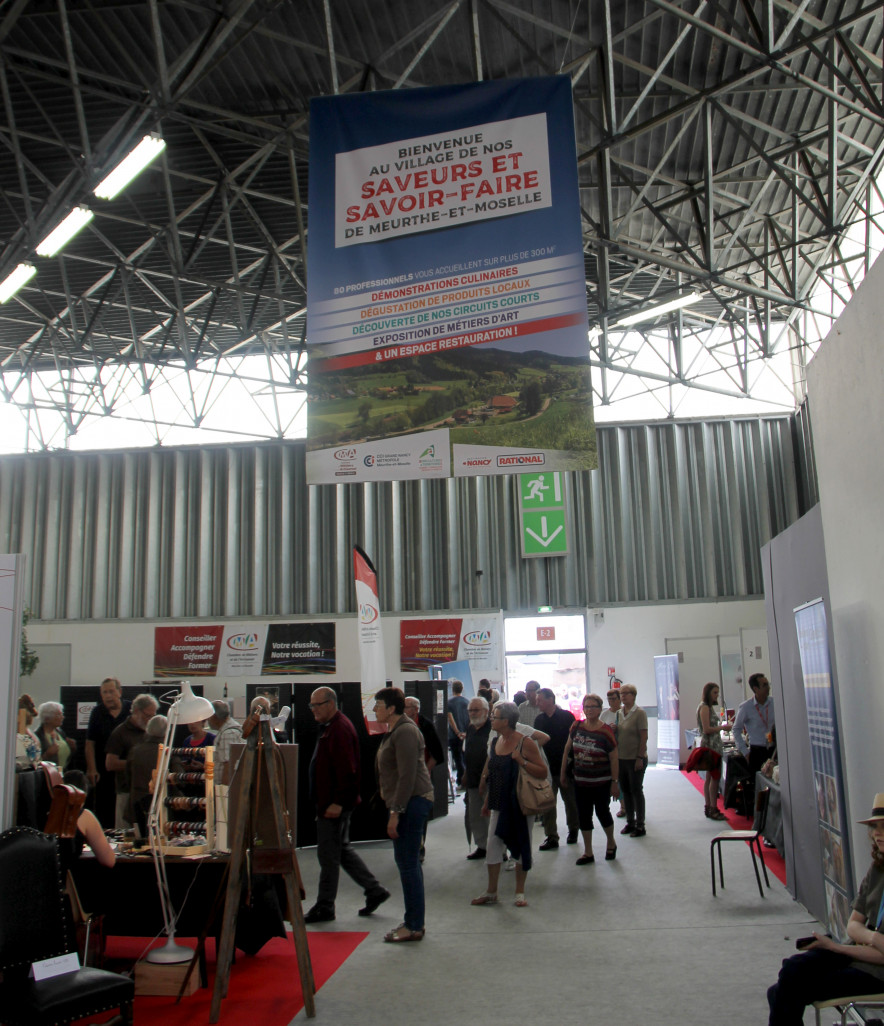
(472, 639)
(242, 651)
(825, 761)
(12, 577)
(299, 648)
(186, 651)
(668, 712)
(446, 279)
(371, 639)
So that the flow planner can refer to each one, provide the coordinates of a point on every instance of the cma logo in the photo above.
(242, 642)
(477, 638)
(429, 452)
(367, 613)
(368, 461)
(345, 454)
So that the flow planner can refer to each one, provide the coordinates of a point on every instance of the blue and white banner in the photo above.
(446, 279)
(825, 760)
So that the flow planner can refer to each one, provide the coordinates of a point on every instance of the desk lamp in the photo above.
(186, 708)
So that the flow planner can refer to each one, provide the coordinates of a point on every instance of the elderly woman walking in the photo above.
(508, 827)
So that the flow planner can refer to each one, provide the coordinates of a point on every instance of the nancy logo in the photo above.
(367, 612)
(428, 453)
(243, 642)
(345, 454)
(475, 638)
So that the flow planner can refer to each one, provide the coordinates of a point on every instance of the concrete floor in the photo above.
(637, 940)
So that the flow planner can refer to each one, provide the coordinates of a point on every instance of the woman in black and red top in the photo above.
(590, 756)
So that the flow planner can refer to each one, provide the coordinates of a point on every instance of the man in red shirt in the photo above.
(334, 786)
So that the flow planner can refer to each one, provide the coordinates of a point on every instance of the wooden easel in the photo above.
(287, 865)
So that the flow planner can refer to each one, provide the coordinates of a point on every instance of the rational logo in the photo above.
(367, 612)
(477, 638)
(243, 642)
(345, 454)
(523, 459)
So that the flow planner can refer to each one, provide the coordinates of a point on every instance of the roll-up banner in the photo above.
(371, 639)
(668, 711)
(825, 761)
(447, 293)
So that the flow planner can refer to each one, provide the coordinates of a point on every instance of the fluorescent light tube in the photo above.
(14, 281)
(62, 235)
(656, 311)
(129, 167)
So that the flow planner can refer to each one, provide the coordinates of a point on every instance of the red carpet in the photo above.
(263, 989)
(775, 862)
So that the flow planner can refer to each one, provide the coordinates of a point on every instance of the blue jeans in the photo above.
(406, 851)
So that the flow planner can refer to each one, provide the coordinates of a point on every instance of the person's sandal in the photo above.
(521, 901)
(402, 935)
(485, 899)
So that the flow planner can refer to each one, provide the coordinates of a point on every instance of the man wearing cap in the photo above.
(756, 717)
(826, 969)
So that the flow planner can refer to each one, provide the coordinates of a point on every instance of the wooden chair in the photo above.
(34, 925)
(845, 1005)
(753, 836)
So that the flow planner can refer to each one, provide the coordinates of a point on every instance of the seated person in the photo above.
(198, 737)
(827, 969)
(89, 831)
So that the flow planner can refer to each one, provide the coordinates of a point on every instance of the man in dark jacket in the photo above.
(334, 787)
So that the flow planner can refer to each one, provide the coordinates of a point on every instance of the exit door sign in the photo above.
(543, 529)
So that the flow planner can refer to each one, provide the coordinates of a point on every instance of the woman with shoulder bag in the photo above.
(711, 728)
(508, 826)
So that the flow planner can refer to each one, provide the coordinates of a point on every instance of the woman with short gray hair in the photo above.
(508, 826)
(55, 745)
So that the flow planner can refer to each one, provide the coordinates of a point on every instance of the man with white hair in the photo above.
(475, 753)
(227, 732)
(123, 739)
(334, 788)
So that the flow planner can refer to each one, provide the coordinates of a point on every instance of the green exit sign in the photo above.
(542, 528)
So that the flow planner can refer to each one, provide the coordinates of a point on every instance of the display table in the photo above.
(128, 897)
(773, 827)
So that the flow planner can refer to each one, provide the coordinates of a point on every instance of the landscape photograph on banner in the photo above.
(447, 318)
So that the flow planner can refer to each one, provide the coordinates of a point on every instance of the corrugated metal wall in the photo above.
(676, 511)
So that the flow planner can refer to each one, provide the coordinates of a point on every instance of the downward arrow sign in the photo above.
(542, 538)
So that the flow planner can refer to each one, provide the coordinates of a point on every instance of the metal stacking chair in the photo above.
(754, 838)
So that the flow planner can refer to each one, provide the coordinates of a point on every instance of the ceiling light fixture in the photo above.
(129, 167)
(14, 281)
(657, 311)
(59, 237)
